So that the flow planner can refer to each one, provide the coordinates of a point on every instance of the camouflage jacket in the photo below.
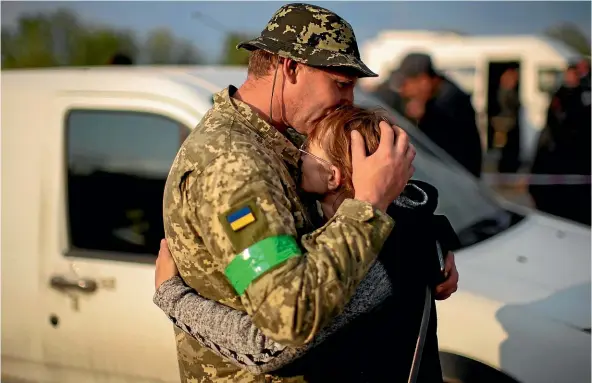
(233, 162)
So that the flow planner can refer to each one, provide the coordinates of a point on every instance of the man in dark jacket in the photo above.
(441, 110)
(564, 148)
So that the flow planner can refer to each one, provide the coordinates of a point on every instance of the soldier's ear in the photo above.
(291, 69)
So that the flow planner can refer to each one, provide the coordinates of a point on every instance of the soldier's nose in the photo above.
(348, 98)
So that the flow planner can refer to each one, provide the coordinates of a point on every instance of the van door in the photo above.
(104, 184)
(22, 204)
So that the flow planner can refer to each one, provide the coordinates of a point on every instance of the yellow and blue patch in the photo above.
(240, 218)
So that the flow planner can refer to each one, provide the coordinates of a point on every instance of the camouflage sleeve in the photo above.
(227, 332)
(244, 218)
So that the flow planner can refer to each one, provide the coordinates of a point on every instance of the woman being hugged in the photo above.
(374, 339)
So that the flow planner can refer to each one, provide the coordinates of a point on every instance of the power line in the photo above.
(210, 21)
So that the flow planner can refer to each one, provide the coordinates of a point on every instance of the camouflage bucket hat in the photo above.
(311, 35)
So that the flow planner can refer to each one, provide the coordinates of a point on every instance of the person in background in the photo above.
(583, 66)
(564, 148)
(507, 122)
(387, 93)
(441, 110)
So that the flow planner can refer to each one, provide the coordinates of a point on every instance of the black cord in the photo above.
(272, 91)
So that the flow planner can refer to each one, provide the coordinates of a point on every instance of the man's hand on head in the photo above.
(381, 177)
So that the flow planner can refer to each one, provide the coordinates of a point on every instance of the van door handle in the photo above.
(84, 284)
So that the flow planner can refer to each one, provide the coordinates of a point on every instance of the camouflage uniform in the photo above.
(236, 226)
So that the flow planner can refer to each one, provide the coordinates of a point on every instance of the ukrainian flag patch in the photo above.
(240, 218)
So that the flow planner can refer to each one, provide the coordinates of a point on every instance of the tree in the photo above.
(98, 46)
(162, 47)
(231, 55)
(66, 35)
(61, 39)
(30, 45)
(7, 48)
(58, 39)
(570, 35)
(187, 54)
(159, 46)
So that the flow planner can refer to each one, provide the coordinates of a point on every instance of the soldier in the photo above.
(232, 214)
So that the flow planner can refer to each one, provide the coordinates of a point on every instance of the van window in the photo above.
(118, 163)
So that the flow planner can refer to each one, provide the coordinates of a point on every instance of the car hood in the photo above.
(541, 264)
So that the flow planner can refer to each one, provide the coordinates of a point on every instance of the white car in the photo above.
(85, 154)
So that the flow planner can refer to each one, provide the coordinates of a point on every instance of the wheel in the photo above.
(460, 369)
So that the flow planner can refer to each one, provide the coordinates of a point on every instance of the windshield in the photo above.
(473, 214)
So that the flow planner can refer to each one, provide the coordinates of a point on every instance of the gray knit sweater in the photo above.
(232, 335)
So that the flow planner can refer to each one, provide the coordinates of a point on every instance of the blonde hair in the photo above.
(340, 122)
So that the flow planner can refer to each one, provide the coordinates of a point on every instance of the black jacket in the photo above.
(564, 148)
(449, 121)
(379, 345)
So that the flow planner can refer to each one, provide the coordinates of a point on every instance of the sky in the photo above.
(367, 18)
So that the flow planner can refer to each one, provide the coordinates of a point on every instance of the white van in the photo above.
(476, 64)
(85, 154)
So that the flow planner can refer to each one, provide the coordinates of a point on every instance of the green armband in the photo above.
(259, 259)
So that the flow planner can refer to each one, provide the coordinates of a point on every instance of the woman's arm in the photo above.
(229, 333)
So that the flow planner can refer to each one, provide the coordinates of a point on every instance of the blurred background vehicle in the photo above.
(82, 181)
(476, 64)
